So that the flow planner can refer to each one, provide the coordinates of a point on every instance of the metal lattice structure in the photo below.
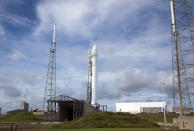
(182, 52)
(50, 88)
(61, 99)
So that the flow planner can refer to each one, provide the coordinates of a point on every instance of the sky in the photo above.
(133, 39)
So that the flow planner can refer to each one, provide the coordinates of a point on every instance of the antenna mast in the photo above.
(50, 88)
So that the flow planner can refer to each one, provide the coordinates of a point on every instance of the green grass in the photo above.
(108, 129)
(107, 120)
(158, 117)
(94, 129)
(98, 120)
(28, 117)
(19, 117)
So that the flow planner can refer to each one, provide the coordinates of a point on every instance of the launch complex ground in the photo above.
(64, 112)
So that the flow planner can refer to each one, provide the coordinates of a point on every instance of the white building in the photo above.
(138, 107)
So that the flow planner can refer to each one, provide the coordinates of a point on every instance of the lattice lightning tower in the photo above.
(50, 88)
(182, 53)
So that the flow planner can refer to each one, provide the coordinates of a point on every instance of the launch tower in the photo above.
(182, 53)
(50, 88)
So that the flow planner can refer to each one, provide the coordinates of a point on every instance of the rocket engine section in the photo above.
(92, 76)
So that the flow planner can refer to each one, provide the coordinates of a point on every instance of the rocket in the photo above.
(92, 76)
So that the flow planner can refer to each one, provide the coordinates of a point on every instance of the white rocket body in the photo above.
(93, 60)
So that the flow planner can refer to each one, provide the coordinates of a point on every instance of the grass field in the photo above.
(106, 121)
(158, 117)
(20, 117)
(107, 129)
(92, 129)
(28, 117)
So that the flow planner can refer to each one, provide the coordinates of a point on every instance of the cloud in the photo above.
(130, 82)
(148, 49)
(11, 17)
(107, 91)
(9, 88)
(14, 19)
(16, 55)
(86, 18)
(10, 91)
(133, 80)
(2, 31)
(7, 2)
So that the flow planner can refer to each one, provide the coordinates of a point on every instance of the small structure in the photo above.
(66, 109)
(184, 122)
(139, 107)
(24, 106)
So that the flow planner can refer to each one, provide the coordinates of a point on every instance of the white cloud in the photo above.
(7, 17)
(2, 31)
(128, 81)
(83, 17)
(134, 79)
(16, 55)
(14, 19)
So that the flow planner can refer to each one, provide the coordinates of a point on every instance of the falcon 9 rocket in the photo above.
(92, 76)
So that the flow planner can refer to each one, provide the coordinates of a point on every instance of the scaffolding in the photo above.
(182, 53)
(50, 88)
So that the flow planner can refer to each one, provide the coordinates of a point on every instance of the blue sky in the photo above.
(132, 37)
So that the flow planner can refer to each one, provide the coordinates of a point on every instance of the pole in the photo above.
(16, 127)
(11, 127)
(164, 105)
(162, 84)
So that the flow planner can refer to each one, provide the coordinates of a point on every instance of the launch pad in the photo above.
(62, 108)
